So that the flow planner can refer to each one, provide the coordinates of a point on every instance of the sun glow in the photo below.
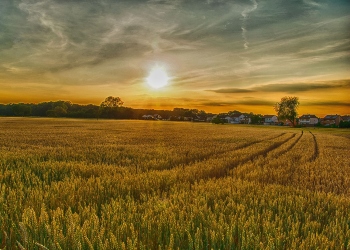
(157, 78)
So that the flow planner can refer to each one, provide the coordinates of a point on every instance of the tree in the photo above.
(344, 124)
(60, 111)
(112, 102)
(286, 109)
(109, 108)
(217, 120)
(256, 118)
(21, 109)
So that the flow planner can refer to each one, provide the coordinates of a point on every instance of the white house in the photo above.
(148, 117)
(229, 119)
(308, 120)
(270, 119)
(237, 118)
(157, 117)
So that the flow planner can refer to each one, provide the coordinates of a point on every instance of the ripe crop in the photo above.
(87, 184)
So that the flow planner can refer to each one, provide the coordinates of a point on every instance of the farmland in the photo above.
(88, 184)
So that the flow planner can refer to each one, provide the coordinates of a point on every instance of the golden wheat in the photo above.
(86, 184)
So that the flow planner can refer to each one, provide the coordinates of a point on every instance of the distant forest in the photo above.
(68, 109)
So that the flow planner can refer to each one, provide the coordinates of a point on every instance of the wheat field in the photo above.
(106, 184)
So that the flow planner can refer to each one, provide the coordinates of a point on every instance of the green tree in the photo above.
(217, 120)
(286, 109)
(344, 124)
(255, 118)
(21, 109)
(60, 111)
(109, 107)
(112, 102)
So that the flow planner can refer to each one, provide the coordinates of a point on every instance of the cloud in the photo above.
(245, 13)
(256, 102)
(38, 14)
(326, 103)
(303, 86)
(289, 87)
(245, 102)
(231, 90)
(202, 43)
(217, 104)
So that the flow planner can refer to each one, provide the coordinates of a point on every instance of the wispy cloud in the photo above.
(245, 14)
(211, 48)
(231, 90)
(38, 15)
(303, 86)
(243, 102)
(327, 103)
(289, 87)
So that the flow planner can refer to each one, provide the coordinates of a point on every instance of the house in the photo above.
(210, 118)
(308, 120)
(330, 120)
(346, 118)
(270, 120)
(246, 119)
(236, 118)
(148, 117)
(157, 117)
(229, 119)
(287, 122)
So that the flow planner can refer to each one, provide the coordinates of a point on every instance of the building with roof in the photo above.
(346, 118)
(246, 119)
(270, 120)
(330, 120)
(308, 120)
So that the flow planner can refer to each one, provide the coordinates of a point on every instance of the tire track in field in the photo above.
(220, 165)
(282, 152)
(279, 144)
(290, 146)
(316, 150)
(263, 153)
(255, 142)
(217, 154)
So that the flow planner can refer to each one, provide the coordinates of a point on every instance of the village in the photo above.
(71, 110)
(236, 117)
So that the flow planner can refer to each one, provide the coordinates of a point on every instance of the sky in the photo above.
(219, 55)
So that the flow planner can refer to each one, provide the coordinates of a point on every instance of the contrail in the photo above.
(245, 14)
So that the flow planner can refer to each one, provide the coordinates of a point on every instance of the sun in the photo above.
(157, 78)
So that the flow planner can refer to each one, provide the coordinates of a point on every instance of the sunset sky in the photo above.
(219, 55)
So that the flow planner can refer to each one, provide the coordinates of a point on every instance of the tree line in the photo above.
(110, 108)
(67, 109)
